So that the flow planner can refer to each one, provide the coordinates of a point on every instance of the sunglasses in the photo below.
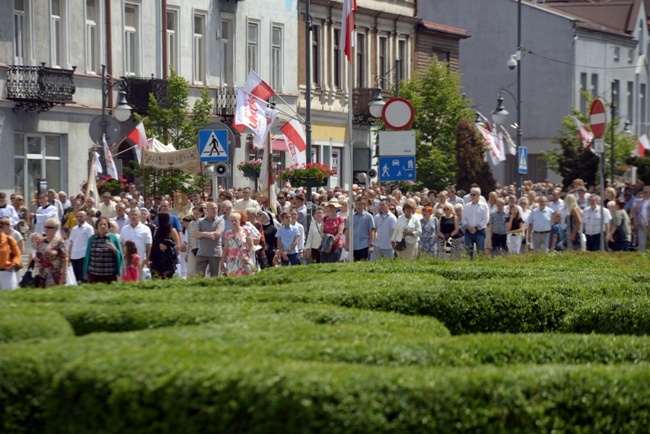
(50, 227)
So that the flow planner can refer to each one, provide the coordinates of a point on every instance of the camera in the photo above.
(512, 62)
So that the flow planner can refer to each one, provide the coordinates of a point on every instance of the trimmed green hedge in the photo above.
(28, 323)
(613, 316)
(221, 379)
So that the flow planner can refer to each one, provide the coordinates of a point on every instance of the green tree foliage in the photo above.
(572, 160)
(470, 153)
(439, 105)
(172, 122)
(643, 166)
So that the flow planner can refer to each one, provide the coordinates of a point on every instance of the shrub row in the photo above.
(613, 316)
(28, 322)
(212, 379)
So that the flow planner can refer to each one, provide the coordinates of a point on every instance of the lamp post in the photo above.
(499, 116)
(611, 157)
(121, 112)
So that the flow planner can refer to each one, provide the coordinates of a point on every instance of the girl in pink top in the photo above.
(131, 263)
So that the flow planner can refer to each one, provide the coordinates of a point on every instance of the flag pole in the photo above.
(351, 198)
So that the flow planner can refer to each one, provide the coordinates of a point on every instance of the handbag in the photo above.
(30, 280)
(400, 245)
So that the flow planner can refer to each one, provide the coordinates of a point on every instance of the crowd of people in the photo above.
(129, 238)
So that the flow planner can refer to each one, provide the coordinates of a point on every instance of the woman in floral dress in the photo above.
(51, 257)
(238, 245)
(429, 238)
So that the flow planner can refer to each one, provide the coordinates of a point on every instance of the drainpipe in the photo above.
(109, 50)
(165, 60)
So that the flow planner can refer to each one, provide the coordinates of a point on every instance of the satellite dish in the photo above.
(96, 129)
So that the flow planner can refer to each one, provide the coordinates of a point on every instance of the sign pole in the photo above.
(598, 123)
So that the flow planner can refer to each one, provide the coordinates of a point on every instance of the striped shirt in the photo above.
(498, 221)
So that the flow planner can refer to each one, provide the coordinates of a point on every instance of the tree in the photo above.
(173, 123)
(470, 157)
(572, 160)
(643, 166)
(439, 105)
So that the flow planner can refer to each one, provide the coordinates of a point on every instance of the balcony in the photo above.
(138, 90)
(39, 88)
(361, 97)
(225, 103)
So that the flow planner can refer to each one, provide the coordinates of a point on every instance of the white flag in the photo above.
(111, 170)
(97, 166)
(512, 148)
(493, 148)
(250, 112)
(271, 115)
(641, 145)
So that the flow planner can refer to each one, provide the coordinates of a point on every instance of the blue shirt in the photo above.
(364, 224)
(176, 223)
(556, 229)
(286, 235)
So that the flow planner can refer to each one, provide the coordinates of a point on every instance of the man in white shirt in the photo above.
(45, 211)
(107, 207)
(385, 223)
(476, 216)
(539, 224)
(7, 210)
(79, 237)
(591, 223)
(556, 203)
(138, 233)
(246, 202)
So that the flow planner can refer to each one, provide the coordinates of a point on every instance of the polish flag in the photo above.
(346, 41)
(495, 153)
(139, 138)
(642, 145)
(295, 134)
(111, 170)
(488, 125)
(586, 136)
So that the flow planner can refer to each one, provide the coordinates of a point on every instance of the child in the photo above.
(557, 233)
(131, 263)
(181, 268)
(71, 280)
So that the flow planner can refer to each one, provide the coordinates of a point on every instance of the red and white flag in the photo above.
(512, 148)
(250, 112)
(642, 145)
(347, 38)
(488, 125)
(271, 115)
(295, 134)
(495, 153)
(139, 138)
(111, 170)
(259, 88)
(586, 136)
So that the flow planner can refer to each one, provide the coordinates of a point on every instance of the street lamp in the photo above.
(122, 111)
(376, 106)
(499, 116)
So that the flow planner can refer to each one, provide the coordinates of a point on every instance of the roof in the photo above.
(448, 30)
(615, 17)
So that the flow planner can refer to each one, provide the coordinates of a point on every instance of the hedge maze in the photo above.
(525, 344)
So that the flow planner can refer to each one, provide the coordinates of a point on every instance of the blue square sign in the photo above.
(397, 168)
(213, 146)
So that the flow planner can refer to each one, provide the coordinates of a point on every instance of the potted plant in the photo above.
(251, 169)
(307, 175)
(112, 186)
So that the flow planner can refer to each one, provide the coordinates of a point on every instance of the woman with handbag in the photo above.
(51, 257)
(333, 225)
(448, 234)
(620, 229)
(238, 245)
(10, 258)
(164, 248)
(407, 232)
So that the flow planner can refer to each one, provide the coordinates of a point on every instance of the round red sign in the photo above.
(398, 114)
(597, 118)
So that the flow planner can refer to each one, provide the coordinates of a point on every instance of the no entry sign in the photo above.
(597, 118)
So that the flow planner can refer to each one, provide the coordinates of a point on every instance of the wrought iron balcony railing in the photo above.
(138, 90)
(39, 87)
(225, 102)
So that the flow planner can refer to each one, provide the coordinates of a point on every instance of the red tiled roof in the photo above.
(613, 17)
(441, 28)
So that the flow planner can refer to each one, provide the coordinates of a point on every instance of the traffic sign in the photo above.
(523, 160)
(398, 113)
(599, 146)
(396, 143)
(213, 146)
(397, 168)
(597, 118)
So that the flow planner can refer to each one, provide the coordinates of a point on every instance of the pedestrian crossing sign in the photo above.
(213, 146)
(523, 160)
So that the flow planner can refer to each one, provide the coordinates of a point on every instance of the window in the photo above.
(315, 56)
(594, 85)
(616, 93)
(402, 55)
(19, 32)
(360, 64)
(337, 61)
(630, 55)
(199, 49)
(37, 156)
(92, 36)
(641, 43)
(276, 57)
(583, 88)
(252, 44)
(57, 33)
(441, 55)
(172, 40)
(643, 120)
(617, 54)
(630, 101)
(131, 40)
(227, 44)
(382, 58)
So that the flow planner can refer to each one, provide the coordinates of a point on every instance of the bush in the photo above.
(29, 323)
(613, 316)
